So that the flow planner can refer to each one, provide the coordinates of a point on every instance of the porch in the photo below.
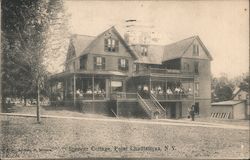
(79, 87)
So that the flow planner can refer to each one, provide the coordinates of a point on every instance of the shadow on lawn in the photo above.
(60, 108)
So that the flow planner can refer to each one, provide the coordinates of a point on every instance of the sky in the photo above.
(223, 26)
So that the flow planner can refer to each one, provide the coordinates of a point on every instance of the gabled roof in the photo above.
(237, 91)
(177, 49)
(160, 53)
(227, 103)
(92, 44)
(156, 53)
(81, 42)
(84, 43)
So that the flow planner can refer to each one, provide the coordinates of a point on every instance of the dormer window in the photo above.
(196, 50)
(144, 50)
(111, 45)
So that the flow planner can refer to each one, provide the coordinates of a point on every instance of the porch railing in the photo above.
(144, 105)
(89, 96)
(156, 102)
(165, 96)
(124, 96)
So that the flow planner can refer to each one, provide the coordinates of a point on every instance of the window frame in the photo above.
(82, 62)
(144, 51)
(124, 67)
(99, 64)
(111, 45)
(196, 89)
(196, 49)
(196, 67)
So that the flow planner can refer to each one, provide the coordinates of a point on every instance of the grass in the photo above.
(21, 137)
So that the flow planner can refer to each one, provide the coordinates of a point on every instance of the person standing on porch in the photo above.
(192, 113)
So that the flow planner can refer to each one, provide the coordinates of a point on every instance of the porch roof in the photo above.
(88, 73)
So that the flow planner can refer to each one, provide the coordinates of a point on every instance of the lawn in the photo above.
(22, 137)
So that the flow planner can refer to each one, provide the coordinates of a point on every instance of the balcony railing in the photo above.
(159, 71)
(159, 97)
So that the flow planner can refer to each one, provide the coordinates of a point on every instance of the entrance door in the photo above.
(172, 111)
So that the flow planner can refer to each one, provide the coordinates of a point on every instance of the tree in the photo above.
(222, 88)
(244, 84)
(58, 37)
(25, 26)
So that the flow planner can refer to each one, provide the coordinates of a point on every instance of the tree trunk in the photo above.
(3, 105)
(25, 101)
(38, 103)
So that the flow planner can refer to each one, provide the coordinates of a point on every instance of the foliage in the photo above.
(244, 85)
(222, 88)
(25, 39)
(58, 36)
(24, 25)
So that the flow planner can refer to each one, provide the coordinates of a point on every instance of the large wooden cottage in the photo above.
(106, 74)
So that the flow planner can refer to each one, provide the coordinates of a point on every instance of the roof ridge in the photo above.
(181, 40)
(82, 35)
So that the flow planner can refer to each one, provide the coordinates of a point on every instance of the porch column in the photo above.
(124, 85)
(93, 87)
(150, 85)
(107, 87)
(74, 89)
(194, 91)
(66, 89)
(166, 87)
(93, 95)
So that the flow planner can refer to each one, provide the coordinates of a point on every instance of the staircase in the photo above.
(152, 107)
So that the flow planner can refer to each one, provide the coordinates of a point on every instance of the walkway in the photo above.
(140, 121)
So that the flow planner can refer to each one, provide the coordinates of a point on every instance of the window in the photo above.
(196, 108)
(111, 45)
(196, 89)
(136, 67)
(74, 66)
(196, 67)
(83, 61)
(196, 50)
(186, 66)
(99, 63)
(144, 50)
(116, 86)
(123, 64)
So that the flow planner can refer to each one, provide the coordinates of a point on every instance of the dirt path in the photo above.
(153, 122)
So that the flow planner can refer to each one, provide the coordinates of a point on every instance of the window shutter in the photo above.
(116, 46)
(126, 64)
(105, 45)
(197, 47)
(95, 61)
(194, 49)
(119, 64)
(103, 63)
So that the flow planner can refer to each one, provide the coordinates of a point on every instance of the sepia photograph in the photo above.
(137, 79)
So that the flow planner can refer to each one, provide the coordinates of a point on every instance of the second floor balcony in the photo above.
(163, 72)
